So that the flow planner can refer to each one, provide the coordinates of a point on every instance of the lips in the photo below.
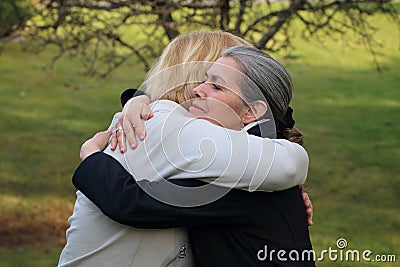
(196, 106)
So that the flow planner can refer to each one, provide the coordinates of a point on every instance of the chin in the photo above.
(194, 112)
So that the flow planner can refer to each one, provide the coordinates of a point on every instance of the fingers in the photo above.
(309, 208)
(136, 109)
(306, 199)
(114, 138)
(121, 138)
(97, 143)
(129, 132)
(139, 129)
(101, 138)
(146, 113)
(118, 137)
(309, 212)
(133, 124)
(309, 217)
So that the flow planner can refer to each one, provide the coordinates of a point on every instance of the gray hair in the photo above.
(270, 81)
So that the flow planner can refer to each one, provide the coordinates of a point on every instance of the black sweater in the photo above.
(230, 231)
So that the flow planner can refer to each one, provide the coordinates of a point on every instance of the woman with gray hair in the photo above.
(239, 228)
(271, 79)
(275, 84)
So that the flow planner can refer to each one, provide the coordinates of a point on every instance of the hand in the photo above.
(136, 109)
(309, 208)
(97, 143)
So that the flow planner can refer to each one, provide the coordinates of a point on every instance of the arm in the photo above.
(106, 183)
(104, 168)
(180, 147)
(135, 105)
(268, 165)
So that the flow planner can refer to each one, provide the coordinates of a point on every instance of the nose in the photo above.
(200, 91)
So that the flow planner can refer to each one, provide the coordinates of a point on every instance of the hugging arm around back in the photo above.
(107, 184)
(276, 165)
(226, 232)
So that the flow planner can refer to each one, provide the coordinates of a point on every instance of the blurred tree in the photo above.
(106, 33)
(13, 16)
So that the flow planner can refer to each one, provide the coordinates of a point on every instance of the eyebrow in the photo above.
(215, 77)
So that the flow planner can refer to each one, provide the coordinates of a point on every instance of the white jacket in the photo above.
(178, 147)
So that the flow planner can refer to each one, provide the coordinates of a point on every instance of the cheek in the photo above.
(235, 103)
(224, 109)
(224, 102)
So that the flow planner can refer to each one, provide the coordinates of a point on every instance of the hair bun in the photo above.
(288, 119)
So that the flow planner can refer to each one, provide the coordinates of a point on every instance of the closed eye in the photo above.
(216, 86)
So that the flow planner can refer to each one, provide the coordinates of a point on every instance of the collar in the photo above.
(254, 123)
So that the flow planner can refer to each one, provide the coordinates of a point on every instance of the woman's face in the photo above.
(218, 98)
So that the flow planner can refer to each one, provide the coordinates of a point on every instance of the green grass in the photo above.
(347, 110)
(46, 115)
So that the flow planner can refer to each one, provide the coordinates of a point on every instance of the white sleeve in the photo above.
(274, 164)
(236, 159)
(180, 147)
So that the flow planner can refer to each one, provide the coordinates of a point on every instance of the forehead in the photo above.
(228, 61)
(225, 68)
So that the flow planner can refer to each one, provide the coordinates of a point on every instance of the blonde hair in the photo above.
(184, 62)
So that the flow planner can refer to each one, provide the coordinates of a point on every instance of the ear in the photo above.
(254, 111)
